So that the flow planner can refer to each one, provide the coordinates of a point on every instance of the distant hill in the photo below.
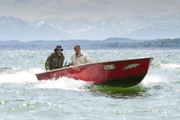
(110, 43)
(120, 40)
(160, 43)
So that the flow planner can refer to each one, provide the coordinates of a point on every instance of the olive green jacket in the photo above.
(54, 61)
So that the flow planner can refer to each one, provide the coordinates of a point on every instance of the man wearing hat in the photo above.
(55, 60)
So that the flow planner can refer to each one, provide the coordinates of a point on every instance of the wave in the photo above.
(28, 76)
(153, 79)
(19, 77)
(64, 83)
(170, 66)
(163, 64)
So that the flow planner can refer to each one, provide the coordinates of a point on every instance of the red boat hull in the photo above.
(123, 73)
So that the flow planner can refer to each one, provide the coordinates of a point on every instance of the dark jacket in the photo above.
(54, 61)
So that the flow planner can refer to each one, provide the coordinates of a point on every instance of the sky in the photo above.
(32, 10)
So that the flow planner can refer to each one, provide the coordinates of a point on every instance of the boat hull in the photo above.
(125, 82)
(122, 73)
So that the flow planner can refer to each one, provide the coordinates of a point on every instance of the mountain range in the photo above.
(83, 29)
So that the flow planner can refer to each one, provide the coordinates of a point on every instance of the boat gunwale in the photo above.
(64, 68)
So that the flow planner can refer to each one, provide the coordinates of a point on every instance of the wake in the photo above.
(28, 77)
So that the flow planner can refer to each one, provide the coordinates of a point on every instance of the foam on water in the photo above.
(170, 66)
(19, 77)
(64, 83)
(153, 79)
(26, 77)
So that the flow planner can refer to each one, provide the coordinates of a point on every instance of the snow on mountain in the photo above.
(157, 31)
(39, 24)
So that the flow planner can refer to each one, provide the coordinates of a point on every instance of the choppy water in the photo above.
(22, 96)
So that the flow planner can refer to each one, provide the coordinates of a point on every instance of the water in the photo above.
(22, 96)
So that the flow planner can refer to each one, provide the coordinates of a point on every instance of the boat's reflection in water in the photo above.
(119, 92)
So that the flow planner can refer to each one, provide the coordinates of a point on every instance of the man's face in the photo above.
(58, 51)
(77, 50)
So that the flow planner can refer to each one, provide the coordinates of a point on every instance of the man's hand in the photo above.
(71, 64)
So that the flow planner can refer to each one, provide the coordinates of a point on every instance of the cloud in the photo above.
(91, 9)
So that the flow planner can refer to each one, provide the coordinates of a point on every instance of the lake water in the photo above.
(23, 97)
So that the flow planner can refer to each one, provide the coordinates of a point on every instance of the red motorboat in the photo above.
(120, 73)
